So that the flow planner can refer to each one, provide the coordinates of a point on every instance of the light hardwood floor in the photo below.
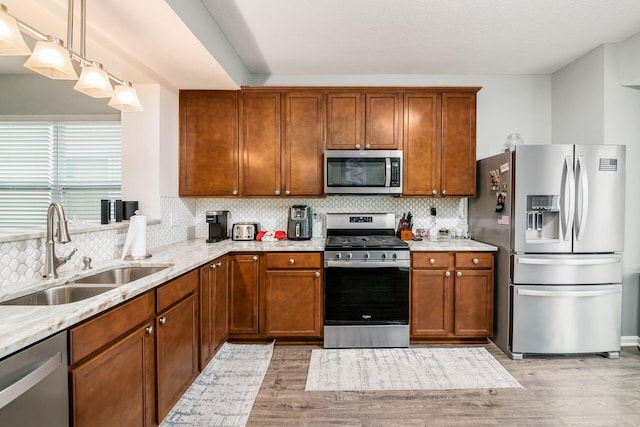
(557, 391)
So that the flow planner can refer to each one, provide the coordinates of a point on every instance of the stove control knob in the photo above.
(395, 256)
(367, 255)
(384, 255)
(349, 255)
(338, 255)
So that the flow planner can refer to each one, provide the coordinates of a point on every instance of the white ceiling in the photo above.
(146, 40)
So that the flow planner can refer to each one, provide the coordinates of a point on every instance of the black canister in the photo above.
(129, 208)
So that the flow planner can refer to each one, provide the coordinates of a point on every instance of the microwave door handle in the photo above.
(387, 179)
(567, 197)
(583, 187)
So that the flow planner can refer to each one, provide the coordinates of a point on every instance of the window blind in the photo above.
(75, 162)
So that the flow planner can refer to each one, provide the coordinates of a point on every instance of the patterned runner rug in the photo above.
(224, 393)
(406, 369)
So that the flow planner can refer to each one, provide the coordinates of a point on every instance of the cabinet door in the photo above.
(344, 120)
(458, 144)
(208, 143)
(431, 303)
(244, 275)
(177, 352)
(473, 303)
(260, 144)
(303, 145)
(382, 121)
(422, 131)
(293, 303)
(116, 387)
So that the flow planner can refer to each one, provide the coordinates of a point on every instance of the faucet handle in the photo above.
(87, 263)
(68, 257)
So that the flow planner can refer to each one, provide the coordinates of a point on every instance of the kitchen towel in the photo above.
(136, 241)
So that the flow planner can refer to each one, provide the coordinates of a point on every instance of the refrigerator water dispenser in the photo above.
(543, 218)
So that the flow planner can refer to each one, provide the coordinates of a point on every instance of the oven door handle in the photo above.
(367, 264)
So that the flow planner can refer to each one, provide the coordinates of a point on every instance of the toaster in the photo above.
(244, 231)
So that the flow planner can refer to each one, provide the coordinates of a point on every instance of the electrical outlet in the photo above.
(120, 238)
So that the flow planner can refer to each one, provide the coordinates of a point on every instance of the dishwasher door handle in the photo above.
(24, 384)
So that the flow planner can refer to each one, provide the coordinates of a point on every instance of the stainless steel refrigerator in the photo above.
(556, 213)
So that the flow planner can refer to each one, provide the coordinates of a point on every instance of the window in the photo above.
(74, 162)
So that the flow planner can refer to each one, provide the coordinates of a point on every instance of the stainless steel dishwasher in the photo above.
(33, 385)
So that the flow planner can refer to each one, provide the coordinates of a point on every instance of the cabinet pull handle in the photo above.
(149, 329)
(447, 274)
(357, 146)
(444, 192)
(212, 266)
(218, 264)
(162, 320)
(234, 192)
(459, 274)
(286, 193)
(255, 258)
(475, 261)
(277, 192)
(367, 146)
(434, 192)
(292, 261)
(316, 274)
(432, 261)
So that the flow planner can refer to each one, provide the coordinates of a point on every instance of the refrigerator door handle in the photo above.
(568, 184)
(536, 293)
(583, 187)
(565, 261)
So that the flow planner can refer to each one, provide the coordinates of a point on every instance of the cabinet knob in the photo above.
(447, 274)
(432, 261)
(234, 192)
(434, 192)
(277, 192)
(316, 274)
(255, 258)
(162, 320)
(357, 146)
(149, 329)
(444, 192)
(218, 264)
(475, 261)
(286, 193)
(367, 146)
(292, 261)
(459, 274)
(212, 266)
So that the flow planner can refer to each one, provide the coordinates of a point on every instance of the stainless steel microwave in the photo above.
(363, 172)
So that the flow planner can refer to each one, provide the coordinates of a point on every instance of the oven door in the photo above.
(366, 296)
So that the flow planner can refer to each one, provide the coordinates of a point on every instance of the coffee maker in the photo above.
(300, 224)
(217, 221)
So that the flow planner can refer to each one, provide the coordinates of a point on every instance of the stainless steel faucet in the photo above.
(51, 262)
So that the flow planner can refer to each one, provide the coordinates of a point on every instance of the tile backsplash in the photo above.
(183, 219)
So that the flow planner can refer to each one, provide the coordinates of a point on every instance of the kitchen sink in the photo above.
(86, 287)
(120, 275)
(59, 295)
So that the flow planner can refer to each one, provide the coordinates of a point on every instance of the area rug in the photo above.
(224, 393)
(406, 369)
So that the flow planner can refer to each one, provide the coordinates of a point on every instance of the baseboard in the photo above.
(629, 341)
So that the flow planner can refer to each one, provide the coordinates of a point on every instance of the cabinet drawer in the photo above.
(474, 260)
(100, 331)
(175, 290)
(293, 260)
(430, 260)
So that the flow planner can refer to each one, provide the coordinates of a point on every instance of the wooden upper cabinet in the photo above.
(363, 120)
(458, 144)
(382, 121)
(344, 120)
(260, 144)
(303, 143)
(422, 130)
(208, 147)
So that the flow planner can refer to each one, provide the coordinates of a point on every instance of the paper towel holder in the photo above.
(134, 220)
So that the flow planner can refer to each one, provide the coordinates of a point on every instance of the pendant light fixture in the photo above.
(11, 40)
(125, 98)
(52, 59)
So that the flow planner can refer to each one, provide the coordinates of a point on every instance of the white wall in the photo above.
(506, 103)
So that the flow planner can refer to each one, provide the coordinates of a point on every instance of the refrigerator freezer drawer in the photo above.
(566, 319)
(567, 269)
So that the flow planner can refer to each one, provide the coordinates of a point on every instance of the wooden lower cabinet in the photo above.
(214, 297)
(177, 339)
(451, 295)
(244, 282)
(112, 370)
(292, 295)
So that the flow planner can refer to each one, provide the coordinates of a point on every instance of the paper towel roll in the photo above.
(136, 239)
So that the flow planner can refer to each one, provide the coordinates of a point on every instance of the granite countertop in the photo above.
(22, 326)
